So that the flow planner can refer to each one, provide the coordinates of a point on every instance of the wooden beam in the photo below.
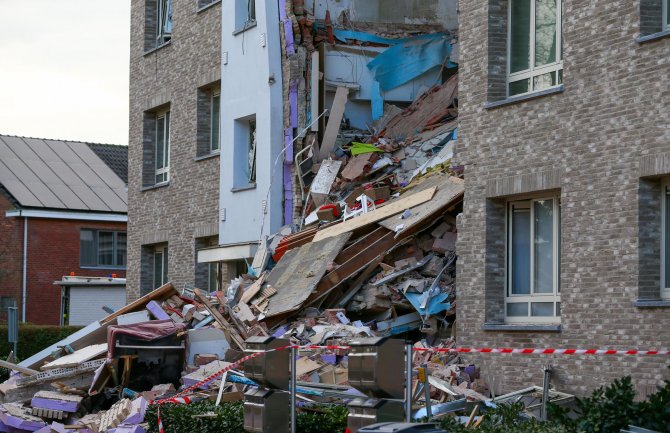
(393, 208)
(334, 121)
(235, 337)
(12, 366)
(164, 291)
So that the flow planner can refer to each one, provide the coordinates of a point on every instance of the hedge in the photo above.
(33, 339)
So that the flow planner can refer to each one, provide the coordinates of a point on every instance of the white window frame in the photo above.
(211, 124)
(165, 170)
(163, 34)
(534, 71)
(163, 250)
(665, 231)
(554, 297)
(666, 21)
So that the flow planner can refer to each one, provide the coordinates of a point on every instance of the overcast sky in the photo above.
(64, 69)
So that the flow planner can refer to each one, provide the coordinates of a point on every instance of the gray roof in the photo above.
(57, 174)
(115, 156)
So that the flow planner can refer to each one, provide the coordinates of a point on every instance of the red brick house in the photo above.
(63, 210)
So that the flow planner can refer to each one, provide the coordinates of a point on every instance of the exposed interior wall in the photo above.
(443, 12)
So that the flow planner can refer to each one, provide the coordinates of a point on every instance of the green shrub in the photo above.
(228, 418)
(33, 339)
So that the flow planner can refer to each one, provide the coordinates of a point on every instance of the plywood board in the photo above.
(393, 208)
(449, 189)
(299, 271)
(76, 358)
(334, 121)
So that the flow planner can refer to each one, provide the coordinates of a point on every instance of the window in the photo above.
(102, 249)
(163, 147)
(665, 239)
(533, 261)
(215, 135)
(164, 27)
(160, 266)
(213, 276)
(245, 13)
(535, 58)
(245, 152)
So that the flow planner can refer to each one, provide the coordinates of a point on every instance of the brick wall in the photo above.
(592, 137)
(53, 251)
(11, 254)
(187, 208)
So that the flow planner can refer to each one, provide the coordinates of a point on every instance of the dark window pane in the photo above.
(87, 250)
(520, 35)
(519, 87)
(106, 248)
(520, 256)
(545, 31)
(165, 266)
(167, 141)
(121, 249)
(216, 104)
(212, 280)
(252, 151)
(158, 268)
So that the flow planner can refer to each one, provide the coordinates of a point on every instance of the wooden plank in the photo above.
(12, 366)
(393, 208)
(299, 271)
(334, 121)
(164, 291)
(449, 191)
(253, 289)
(228, 329)
(76, 358)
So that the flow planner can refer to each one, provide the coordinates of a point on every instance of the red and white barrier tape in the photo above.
(180, 399)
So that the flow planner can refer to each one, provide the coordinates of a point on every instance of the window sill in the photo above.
(243, 188)
(653, 37)
(521, 327)
(111, 268)
(207, 156)
(522, 98)
(157, 186)
(153, 50)
(248, 25)
(204, 8)
(652, 303)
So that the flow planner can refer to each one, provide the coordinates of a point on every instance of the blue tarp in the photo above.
(404, 62)
(436, 304)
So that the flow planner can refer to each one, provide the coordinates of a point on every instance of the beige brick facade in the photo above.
(177, 76)
(601, 144)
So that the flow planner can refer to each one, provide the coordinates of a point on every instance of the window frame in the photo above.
(533, 71)
(216, 94)
(555, 296)
(665, 232)
(163, 36)
(96, 243)
(164, 171)
(163, 250)
(666, 15)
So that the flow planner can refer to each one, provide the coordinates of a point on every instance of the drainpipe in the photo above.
(25, 264)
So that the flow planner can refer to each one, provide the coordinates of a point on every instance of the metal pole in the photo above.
(408, 383)
(545, 392)
(24, 282)
(293, 387)
(426, 392)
